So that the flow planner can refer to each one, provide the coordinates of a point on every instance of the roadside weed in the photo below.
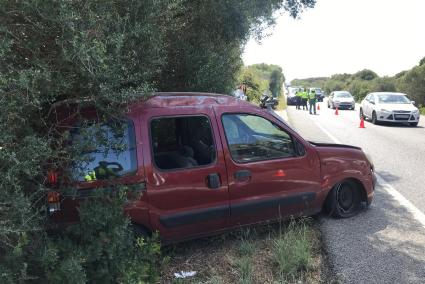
(293, 249)
(245, 269)
(247, 246)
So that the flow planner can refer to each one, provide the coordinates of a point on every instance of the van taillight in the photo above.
(52, 177)
(53, 201)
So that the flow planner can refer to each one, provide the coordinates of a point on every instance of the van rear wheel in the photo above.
(344, 200)
(140, 231)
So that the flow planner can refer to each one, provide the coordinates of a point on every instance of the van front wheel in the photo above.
(344, 200)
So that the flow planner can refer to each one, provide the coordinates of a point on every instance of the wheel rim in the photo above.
(345, 197)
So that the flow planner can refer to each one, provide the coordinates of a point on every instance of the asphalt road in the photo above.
(386, 242)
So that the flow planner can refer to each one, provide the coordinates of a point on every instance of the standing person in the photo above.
(312, 101)
(298, 99)
(304, 96)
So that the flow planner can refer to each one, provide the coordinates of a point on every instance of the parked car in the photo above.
(341, 100)
(204, 163)
(389, 107)
(320, 95)
(291, 97)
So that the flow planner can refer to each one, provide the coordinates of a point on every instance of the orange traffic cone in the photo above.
(361, 123)
(318, 107)
(336, 111)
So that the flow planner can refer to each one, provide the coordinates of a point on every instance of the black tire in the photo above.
(329, 105)
(344, 200)
(140, 231)
(414, 124)
(361, 114)
(374, 118)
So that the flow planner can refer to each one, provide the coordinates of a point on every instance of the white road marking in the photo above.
(417, 214)
(327, 133)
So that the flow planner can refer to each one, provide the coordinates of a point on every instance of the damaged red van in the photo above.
(205, 163)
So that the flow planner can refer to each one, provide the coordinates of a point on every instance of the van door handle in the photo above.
(243, 175)
(213, 181)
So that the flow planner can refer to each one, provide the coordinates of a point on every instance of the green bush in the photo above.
(261, 78)
(56, 51)
(101, 248)
(413, 84)
(105, 53)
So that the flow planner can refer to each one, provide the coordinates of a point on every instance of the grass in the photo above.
(245, 270)
(247, 246)
(286, 252)
(293, 250)
(422, 110)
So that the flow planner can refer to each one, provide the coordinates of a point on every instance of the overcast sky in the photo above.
(345, 36)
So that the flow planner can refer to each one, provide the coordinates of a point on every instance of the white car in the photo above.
(389, 107)
(341, 99)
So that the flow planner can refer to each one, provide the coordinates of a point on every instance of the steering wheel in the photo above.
(115, 166)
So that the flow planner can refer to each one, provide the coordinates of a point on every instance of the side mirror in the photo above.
(413, 103)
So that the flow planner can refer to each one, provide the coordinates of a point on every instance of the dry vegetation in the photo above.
(286, 252)
(282, 103)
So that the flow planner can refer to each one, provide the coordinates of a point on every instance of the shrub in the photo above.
(101, 248)
(107, 53)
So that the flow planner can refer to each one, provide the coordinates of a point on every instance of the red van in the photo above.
(206, 163)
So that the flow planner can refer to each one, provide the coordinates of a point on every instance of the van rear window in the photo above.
(105, 151)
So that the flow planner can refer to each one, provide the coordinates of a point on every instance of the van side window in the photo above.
(182, 142)
(106, 151)
(253, 138)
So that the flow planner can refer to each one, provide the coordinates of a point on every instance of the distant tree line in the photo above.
(410, 82)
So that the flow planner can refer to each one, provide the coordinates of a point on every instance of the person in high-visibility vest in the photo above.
(90, 176)
(304, 97)
(103, 171)
(312, 101)
(298, 99)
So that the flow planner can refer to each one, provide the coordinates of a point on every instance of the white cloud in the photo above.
(345, 36)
